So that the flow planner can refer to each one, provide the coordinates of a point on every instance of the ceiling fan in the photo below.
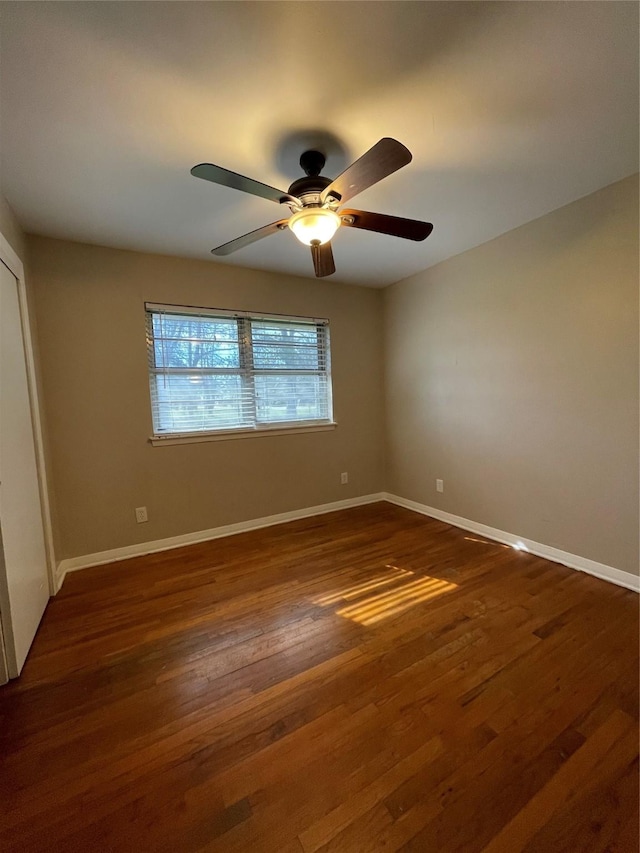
(315, 201)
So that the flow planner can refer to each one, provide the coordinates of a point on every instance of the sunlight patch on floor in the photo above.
(517, 546)
(372, 608)
(484, 542)
(362, 588)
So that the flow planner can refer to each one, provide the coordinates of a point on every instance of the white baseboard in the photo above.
(114, 555)
(573, 561)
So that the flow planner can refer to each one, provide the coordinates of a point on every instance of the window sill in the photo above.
(226, 435)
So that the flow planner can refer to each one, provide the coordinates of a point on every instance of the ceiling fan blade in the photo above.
(218, 175)
(323, 262)
(396, 226)
(251, 237)
(386, 157)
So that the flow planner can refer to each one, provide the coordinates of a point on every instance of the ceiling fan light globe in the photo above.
(314, 224)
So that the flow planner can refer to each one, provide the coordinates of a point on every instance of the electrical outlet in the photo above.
(439, 485)
(141, 514)
(344, 478)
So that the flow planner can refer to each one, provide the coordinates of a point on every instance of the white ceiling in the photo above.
(510, 109)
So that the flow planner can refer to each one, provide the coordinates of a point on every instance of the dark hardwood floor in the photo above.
(361, 681)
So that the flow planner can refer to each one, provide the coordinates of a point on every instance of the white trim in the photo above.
(226, 434)
(196, 311)
(9, 257)
(4, 668)
(573, 561)
(116, 554)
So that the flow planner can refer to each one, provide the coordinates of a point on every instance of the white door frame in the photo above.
(16, 267)
(4, 667)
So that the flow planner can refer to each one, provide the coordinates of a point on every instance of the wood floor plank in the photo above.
(365, 680)
(567, 782)
(321, 832)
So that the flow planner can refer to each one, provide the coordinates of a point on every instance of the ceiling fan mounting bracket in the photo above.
(312, 163)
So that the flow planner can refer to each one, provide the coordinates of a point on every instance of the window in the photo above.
(218, 371)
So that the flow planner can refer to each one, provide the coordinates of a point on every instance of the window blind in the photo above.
(219, 370)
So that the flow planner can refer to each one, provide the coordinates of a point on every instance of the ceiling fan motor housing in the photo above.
(310, 186)
(308, 189)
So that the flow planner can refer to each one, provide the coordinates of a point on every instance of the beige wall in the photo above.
(90, 311)
(512, 374)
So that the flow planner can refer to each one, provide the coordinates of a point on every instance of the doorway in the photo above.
(24, 570)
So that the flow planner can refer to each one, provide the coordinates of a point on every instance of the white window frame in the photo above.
(246, 369)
